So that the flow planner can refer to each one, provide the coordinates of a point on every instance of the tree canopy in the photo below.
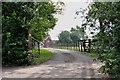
(73, 35)
(108, 44)
(17, 19)
(15, 22)
(64, 37)
(77, 33)
(44, 19)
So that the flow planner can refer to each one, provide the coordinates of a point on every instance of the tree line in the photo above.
(74, 35)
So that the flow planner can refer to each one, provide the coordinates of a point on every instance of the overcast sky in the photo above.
(67, 20)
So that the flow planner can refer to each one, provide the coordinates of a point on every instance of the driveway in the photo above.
(64, 64)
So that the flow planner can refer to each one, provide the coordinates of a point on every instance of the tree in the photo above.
(77, 33)
(108, 44)
(15, 23)
(64, 37)
(44, 19)
(19, 18)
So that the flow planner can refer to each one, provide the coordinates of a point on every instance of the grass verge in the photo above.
(72, 48)
(44, 56)
(92, 54)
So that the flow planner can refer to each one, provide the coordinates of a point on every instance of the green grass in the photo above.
(71, 48)
(92, 54)
(75, 48)
(44, 56)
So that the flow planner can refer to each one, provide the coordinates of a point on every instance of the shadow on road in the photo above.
(64, 64)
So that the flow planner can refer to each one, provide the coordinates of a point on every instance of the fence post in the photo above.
(29, 46)
(67, 45)
(38, 44)
(84, 45)
(76, 45)
(38, 47)
(79, 45)
(72, 45)
(89, 41)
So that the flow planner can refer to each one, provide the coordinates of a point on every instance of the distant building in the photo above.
(54, 43)
(47, 41)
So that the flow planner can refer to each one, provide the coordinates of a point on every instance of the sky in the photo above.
(67, 20)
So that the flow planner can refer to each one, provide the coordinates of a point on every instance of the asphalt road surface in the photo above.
(64, 64)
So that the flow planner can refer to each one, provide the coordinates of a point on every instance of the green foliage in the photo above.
(44, 19)
(73, 35)
(108, 38)
(92, 54)
(17, 19)
(64, 37)
(77, 33)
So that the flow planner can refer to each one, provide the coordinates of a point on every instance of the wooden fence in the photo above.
(81, 45)
(34, 41)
